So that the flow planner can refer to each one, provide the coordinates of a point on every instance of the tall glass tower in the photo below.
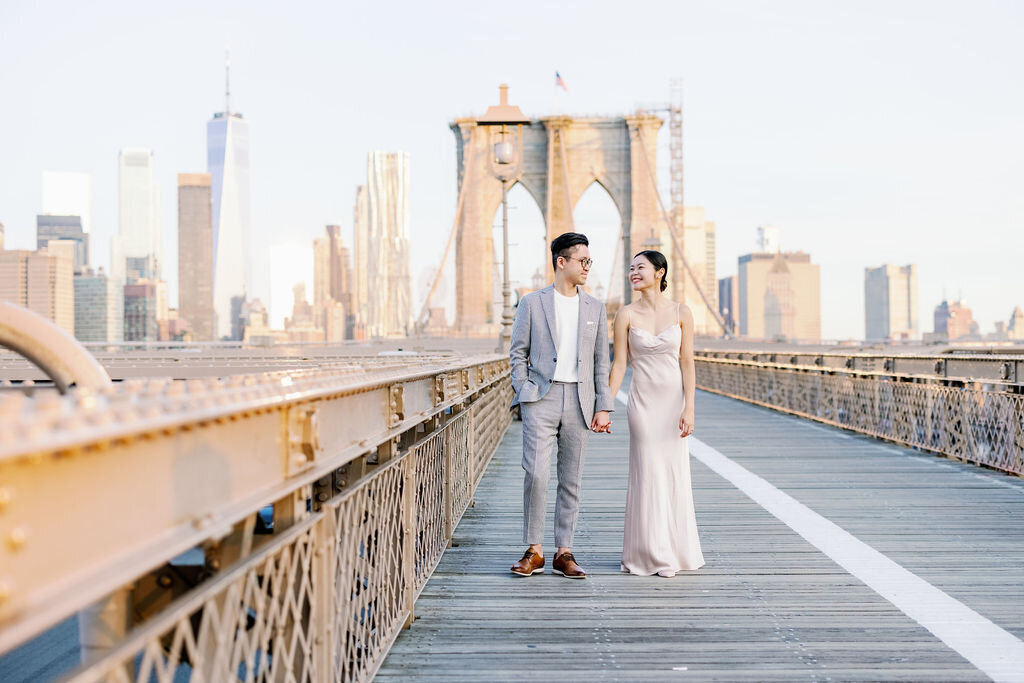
(389, 302)
(138, 216)
(227, 159)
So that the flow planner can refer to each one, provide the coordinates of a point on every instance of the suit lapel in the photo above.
(581, 325)
(547, 302)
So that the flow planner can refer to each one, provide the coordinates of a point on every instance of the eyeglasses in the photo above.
(585, 262)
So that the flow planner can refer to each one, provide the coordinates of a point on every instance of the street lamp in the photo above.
(505, 164)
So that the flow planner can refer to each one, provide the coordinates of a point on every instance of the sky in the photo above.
(867, 133)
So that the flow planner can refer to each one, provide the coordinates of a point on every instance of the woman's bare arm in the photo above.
(688, 368)
(620, 340)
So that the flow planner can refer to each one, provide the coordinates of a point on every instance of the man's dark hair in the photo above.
(563, 244)
(659, 261)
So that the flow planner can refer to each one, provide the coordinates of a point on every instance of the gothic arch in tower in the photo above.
(562, 156)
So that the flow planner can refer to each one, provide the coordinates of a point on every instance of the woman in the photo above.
(656, 335)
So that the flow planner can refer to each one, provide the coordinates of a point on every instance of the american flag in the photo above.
(559, 83)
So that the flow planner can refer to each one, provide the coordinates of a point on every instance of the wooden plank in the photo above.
(767, 606)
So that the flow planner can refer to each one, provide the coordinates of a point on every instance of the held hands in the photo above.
(685, 425)
(602, 422)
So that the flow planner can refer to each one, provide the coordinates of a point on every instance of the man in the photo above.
(559, 359)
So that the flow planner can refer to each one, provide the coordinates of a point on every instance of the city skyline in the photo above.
(858, 160)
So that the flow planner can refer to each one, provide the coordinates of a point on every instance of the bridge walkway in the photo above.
(771, 604)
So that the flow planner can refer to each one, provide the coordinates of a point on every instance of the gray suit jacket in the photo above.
(535, 344)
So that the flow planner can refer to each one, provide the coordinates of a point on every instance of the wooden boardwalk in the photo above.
(767, 606)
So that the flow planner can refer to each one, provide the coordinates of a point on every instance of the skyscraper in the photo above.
(140, 311)
(779, 296)
(41, 281)
(699, 249)
(954, 320)
(138, 239)
(68, 194)
(341, 278)
(360, 245)
(389, 299)
(321, 271)
(227, 156)
(890, 302)
(1015, 328)
(332, 291)
(99, 307)
(195, 255)
(52, 227)
(729, 301)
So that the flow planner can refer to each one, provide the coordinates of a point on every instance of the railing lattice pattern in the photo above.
(326, 599)
(971, 423)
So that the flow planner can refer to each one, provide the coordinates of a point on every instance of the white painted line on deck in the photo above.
(994, 651)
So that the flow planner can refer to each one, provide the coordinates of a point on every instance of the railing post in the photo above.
(471, 454)
(409, 535)
(449, 498)
(324, 553)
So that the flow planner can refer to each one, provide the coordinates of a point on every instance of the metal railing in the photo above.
(314, 507)
(975, 421)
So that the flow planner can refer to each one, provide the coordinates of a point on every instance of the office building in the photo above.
(227, 147)
(1015, 328)
(195, 255)
(141, 320)
(698, 242)
(324, 304)
(321, 271)
(360, 245)
(890, 302)
(953, 320)
(68, 194)
(137, 247)
(65, 228)
(175, 328)
(341, 276)
(99, 307)
(779, 296)
(729, 301)
(42, 281)
(389, 299)
(237, 307)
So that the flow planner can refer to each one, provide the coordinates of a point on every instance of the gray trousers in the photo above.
(555, 417)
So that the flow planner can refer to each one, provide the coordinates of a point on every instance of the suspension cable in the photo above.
(675, 239)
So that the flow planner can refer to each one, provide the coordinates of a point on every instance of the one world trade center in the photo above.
(227, 159)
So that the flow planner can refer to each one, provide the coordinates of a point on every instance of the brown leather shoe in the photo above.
(531, 564)
(566, 565)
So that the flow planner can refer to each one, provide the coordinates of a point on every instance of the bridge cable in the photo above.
(565, 179)
(425, 312)
(675, 239)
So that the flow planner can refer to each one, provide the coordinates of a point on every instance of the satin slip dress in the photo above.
(660, 532)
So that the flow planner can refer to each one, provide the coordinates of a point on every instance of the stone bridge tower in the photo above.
(561, 157)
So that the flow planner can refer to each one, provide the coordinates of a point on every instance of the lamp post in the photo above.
(505, 163)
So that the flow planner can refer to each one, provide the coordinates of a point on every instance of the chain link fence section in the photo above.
(326, 599)
(977, 422)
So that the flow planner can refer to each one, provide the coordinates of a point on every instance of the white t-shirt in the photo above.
(567, 317)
